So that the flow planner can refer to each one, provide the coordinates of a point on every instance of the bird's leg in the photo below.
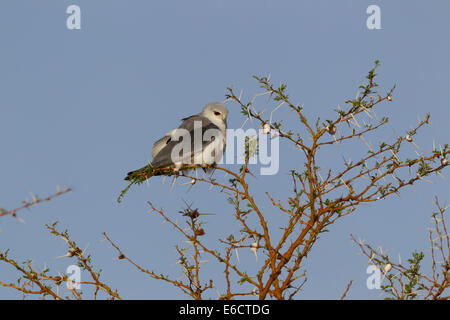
(213, 169)
(206, 167)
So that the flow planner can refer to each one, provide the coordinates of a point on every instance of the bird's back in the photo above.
(164, 157)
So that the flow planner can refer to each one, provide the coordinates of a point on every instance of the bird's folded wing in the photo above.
(163, 158)
(161, 143)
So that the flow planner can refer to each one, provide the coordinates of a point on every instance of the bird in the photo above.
(199, 140)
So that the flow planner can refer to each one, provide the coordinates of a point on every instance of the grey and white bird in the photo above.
(199, 140)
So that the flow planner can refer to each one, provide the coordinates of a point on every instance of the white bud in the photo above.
(409, 138)
(387, 268)
(71, 252)
(331, 129)
(265, 128)
(444, 161)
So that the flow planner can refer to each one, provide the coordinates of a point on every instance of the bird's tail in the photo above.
(135, 172)
(144, 173)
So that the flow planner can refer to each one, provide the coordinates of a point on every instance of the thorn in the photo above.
(173, 182)
(254, 248)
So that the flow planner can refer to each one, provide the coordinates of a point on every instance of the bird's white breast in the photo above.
(212, 153)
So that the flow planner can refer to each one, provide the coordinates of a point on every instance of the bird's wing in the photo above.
(161, 143)
(190, 117)
(164, 157)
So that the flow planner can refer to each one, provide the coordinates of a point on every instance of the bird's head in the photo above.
(215, 111)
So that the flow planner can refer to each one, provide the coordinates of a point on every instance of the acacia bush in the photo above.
(316, 197)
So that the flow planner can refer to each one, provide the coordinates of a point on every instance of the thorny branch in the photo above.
(315, 202)
(30, 277)
(318, 197)
(34, 201)
(406, 282)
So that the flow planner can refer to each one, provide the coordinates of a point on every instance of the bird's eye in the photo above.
(217, 113)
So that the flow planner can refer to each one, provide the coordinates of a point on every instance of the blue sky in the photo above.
(80, 108)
